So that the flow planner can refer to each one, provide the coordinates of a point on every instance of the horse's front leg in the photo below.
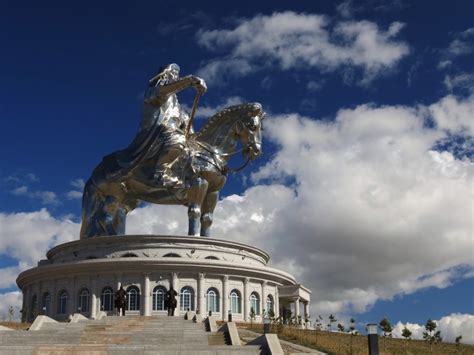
(210, 202)
(196, 193)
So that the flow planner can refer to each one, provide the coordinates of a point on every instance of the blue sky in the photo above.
(365, 188)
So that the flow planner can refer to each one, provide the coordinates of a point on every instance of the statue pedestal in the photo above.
(208, 274)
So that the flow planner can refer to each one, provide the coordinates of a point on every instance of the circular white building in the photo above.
(208, 274)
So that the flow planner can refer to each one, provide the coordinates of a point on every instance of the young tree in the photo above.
(406, 333)
(319, 322)
(432, 335)
(340, 327)
(386, 327)
(332, 319)
(11, 312)
(352, 327)
(458, 340)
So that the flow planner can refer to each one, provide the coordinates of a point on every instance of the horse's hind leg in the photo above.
(196, 193)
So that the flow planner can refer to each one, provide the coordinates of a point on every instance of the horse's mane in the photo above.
(226, 116)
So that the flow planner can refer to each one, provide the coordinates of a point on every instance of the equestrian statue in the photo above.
(169, 163)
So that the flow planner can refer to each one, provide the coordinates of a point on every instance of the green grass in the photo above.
(341, 343)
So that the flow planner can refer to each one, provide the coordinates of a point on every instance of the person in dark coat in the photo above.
(171, 301)
(121, 301)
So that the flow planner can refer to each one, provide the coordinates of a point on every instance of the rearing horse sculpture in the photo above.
(202, 171)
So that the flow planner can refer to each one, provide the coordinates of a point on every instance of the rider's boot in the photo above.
(165, 177)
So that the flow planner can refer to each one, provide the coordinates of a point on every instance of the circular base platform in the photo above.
(208, 274)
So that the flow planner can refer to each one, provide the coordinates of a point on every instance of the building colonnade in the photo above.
(243, 297)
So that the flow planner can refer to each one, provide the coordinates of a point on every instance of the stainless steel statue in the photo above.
(167, 162)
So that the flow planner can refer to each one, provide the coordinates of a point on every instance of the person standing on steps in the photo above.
(171, 301)
(120, 301)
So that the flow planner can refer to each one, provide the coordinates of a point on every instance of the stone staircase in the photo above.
(121, 335)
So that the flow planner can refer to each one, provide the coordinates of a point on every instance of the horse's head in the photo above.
(249, 129)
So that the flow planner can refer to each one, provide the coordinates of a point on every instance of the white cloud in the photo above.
(27, 236)
(454, 115)
(78, 183)
(208, 111)
(8, 299)
(291, 40)
(462, 44)
(463, 81)
(313, 85)
(46, 197)
(450, 326)
(372, 197)
(74, 195)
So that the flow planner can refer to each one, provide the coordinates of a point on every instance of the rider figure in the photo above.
(162, 111)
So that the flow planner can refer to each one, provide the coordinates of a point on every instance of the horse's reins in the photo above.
(226, 169)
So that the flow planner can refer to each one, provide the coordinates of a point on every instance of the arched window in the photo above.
(171, 255)
(46, 304)
(107, 299)
(129, 255)
(255, 302)
(159, 293)
(269, 305)
(133, 298)
(83, 305)
(186, 299)
(235, 302)
(63, 302)
(212, 297)
(211, 257)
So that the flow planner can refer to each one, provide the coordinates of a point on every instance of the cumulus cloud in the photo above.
(372, 197)
(207, 111)
(76, 194)
(13, 299)
(27, 236)
(450, 326)
(46, 197)
(290, 40)
(454, 115)
(463, 43)
(461, 81)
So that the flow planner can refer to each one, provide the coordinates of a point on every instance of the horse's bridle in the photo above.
(226, 169)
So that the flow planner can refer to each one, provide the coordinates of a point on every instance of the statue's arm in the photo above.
(157, 95)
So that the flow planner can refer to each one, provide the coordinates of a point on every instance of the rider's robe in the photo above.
(163, 124)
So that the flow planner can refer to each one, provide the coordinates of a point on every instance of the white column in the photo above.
(246, 300)
(54, 298)
(297, 308)
(94, 297)
(146, 310)
(225, 297)
(201, 295)
(263, 300)
(40, 298)
(175, 283)
(276, 299)
(306, 313)
(73, 297)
